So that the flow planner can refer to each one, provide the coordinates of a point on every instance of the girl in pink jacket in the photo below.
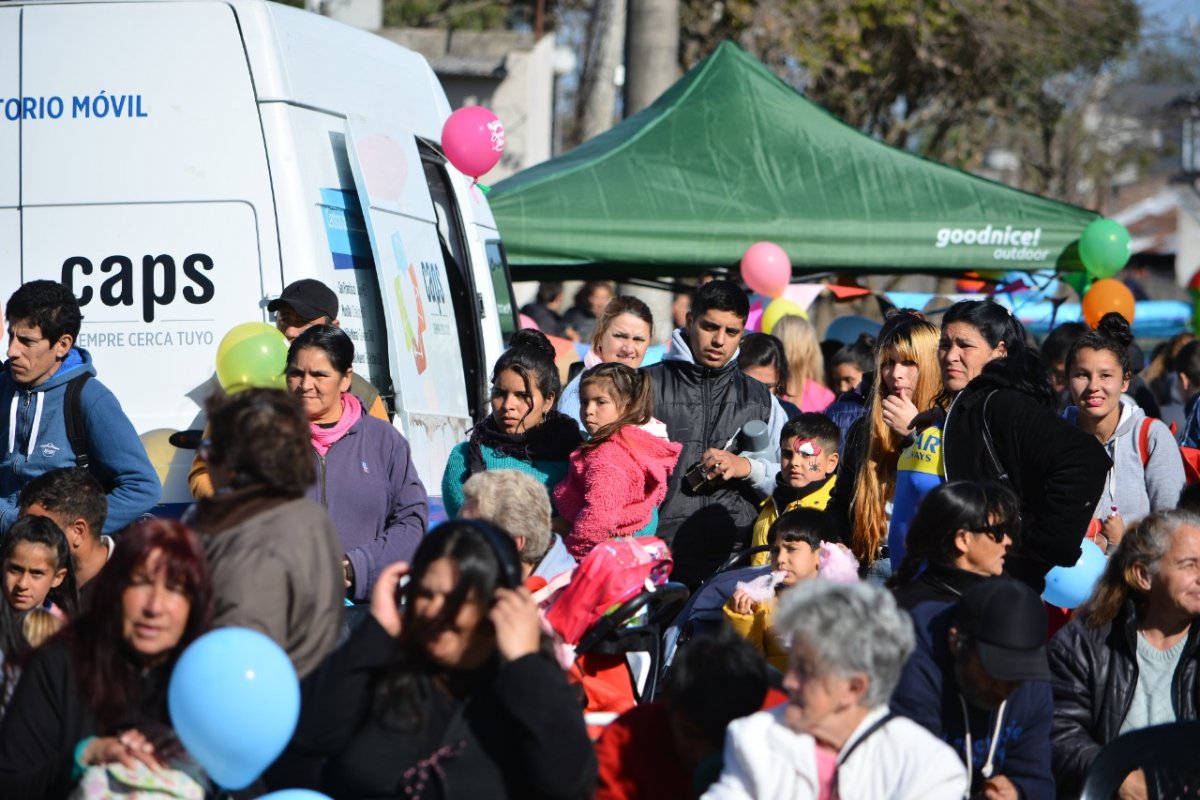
(618, 478)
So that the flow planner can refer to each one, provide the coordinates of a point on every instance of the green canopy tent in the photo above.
(731, 155)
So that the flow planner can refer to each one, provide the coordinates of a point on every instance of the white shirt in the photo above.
(766, 760)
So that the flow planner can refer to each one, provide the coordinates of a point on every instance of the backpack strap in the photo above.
(1144, 441)
(845, 755)
(73, 417)
(1001, 473)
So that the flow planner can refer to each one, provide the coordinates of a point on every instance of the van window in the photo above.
(501, 288)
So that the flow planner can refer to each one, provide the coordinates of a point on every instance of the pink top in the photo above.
(826, 770)
(814, 397)
(613, 489)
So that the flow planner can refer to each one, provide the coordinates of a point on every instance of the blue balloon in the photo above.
(234, 700)
(295, 794)
(846, 329)
(1069, 587)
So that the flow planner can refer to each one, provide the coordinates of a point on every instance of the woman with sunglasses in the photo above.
(959, 536)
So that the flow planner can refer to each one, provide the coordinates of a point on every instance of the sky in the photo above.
(1173, 14)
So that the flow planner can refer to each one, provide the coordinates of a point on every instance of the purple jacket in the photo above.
(369, 486)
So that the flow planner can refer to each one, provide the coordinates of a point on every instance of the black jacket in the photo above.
(937, 584)
(1095, 672)
(1056, 470)
(854, 450)
(518, 734)
(47, 719)
(928, 693)
(702, 407)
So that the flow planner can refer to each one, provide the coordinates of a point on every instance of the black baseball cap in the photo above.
(1006, 622)
(309, 298)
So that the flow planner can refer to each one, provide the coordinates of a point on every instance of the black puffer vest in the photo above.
(702, 408)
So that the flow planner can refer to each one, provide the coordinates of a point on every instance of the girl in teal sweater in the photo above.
(523, 432)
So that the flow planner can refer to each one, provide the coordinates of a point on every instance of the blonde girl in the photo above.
(805, 364)
(907, 380)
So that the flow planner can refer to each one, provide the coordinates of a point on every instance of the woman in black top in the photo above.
(97, 693)
(1002, 425)
(959, 536)
(453, 695)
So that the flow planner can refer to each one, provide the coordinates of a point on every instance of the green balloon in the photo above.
(1104, 248)
(252, 355)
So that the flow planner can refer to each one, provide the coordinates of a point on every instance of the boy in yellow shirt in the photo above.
(795, 554)
(808, 460)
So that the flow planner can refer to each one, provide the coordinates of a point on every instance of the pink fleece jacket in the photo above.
(613, 489)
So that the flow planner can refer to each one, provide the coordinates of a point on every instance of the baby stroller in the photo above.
(613, 613)
(703, 611)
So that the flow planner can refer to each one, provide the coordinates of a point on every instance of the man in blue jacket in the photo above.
(979, 680)
(53, 413)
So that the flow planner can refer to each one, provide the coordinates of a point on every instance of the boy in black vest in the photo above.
(704, 399)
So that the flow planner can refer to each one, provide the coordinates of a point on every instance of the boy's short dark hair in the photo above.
(806, 525)
(71, 492)
(812, 425)
(1058, 342)
(715, 679)
(1187, 362)
(48, 305)
(1189, 499)
(720, 295)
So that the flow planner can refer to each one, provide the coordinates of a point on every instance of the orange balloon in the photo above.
(1105, 296)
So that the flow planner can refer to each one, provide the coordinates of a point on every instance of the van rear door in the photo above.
(10, 140)
(145, 189)
(425, 354)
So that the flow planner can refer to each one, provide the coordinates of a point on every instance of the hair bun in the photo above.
(1116, 327)
(535, 339)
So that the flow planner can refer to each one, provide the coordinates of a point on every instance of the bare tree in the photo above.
(651, 52)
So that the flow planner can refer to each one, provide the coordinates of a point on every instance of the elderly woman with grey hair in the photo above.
(835, 735)
(1131, 656)
(517, 503)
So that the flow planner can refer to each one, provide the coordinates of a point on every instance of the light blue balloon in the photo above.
(1069, 587)
(234, 700)
(295, 794)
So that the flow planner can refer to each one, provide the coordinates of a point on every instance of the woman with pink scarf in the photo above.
(365, 475)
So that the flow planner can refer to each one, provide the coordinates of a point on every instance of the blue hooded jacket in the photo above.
(1016, 737)
(33, 433)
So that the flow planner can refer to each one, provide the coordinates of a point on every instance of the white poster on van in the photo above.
(426, 359)
(158, 285)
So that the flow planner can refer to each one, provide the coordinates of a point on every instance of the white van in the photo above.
(178, 163)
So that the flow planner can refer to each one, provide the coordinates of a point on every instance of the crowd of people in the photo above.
(873, 520)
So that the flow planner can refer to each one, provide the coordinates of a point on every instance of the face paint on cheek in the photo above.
(812, 467)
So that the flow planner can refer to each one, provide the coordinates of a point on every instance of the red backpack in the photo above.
(1190, 455)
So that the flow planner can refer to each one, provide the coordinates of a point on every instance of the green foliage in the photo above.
(936, 76)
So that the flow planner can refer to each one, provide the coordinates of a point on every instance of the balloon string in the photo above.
(483, 187)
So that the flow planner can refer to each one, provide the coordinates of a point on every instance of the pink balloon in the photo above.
(473, 140)
(766, 268)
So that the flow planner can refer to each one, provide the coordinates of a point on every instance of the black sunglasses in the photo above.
(997, 532)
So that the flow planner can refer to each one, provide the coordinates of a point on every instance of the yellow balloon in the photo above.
(779, 308)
